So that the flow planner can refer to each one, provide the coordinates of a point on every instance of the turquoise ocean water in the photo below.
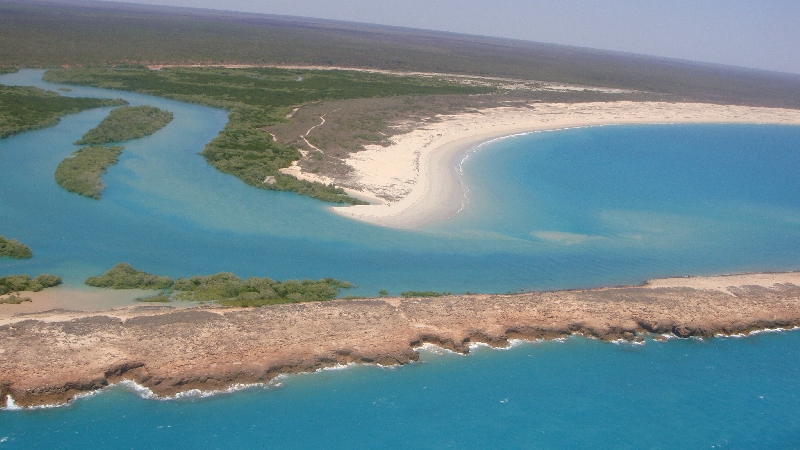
(566, 209)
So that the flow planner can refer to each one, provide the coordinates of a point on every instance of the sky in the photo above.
(761, 34)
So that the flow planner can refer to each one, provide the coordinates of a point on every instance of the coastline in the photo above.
(58, 356)
(418, 174)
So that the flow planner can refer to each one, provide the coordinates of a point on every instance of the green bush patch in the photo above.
(125, 123)
(81, 172)
(123, 276)
(19, 283)
(224, 288)
(230, 290)
(13, 248)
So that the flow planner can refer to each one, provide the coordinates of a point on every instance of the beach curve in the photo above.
(419, 174)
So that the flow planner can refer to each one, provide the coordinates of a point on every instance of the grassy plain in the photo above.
(81, 172)
(125, 123)
(13, 248)
(257, 98)
(24, 108)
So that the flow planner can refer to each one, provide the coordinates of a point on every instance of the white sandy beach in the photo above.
(418, 175)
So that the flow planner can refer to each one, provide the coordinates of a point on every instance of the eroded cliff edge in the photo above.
(55, 356)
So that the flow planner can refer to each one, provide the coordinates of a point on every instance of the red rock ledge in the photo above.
(57, 355)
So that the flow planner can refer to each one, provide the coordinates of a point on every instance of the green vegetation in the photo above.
(123, 276)
(224, 288)
(230, 290)
(5, 70)
(24, 108)
(13, 248)
(81, 172)
(19, 283)
(257, 98)
(408, 294)
(125, 123)
(14, 299)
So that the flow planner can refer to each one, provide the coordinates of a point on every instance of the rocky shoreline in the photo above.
(52, 357)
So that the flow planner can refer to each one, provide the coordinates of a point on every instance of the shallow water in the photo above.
(716, 393)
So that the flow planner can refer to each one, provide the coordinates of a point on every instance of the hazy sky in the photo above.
(763, 34)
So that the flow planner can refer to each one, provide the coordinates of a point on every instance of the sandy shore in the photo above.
(57, 356)
(420, 171)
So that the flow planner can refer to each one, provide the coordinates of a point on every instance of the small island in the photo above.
(24, 108)
(126, 123)
(13, 248)
(224, 288)
(81, 172)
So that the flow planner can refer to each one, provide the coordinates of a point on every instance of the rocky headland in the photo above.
(53, 356)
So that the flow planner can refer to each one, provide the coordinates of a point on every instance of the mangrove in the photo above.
(81, 172)
(126, 123)
(20, 283)
(224, 288)
(13, 248)
(124, 276)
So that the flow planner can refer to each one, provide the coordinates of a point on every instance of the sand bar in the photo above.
(420, 171)
(57, 356)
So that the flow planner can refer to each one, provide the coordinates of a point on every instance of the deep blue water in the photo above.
(717, 393)
(573, 208)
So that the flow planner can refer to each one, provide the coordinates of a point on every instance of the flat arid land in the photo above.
(53, 356)
(416, 177)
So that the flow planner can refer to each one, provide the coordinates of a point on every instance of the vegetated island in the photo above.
(81, 172)
(223, 288)
(13, 248)
(52, 357)
(24, 108)
(126, 123)
(14, 284)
